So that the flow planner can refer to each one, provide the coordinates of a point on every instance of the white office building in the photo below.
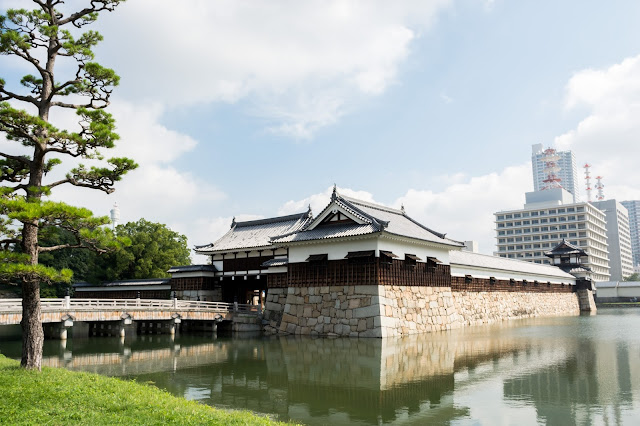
(618, 238)
(568, 172)
(633, 209)
(547, 218)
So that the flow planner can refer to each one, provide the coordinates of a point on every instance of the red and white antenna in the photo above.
(551, 169)
(599, 187)
(587, 178)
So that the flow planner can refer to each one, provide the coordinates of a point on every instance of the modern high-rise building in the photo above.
(567, 170)
(633, 208)
(618, 238)
(547, 218)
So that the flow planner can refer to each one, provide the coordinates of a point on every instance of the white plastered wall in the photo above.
(335, 250)
(501, 274)
(400, 248)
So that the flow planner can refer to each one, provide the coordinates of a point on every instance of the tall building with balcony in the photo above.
(618, 238)
(546, 219)
(568, 170)
(633, 208)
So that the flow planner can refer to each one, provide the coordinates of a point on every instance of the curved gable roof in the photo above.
(255, 234)
(371, 218)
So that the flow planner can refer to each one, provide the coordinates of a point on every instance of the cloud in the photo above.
(301, 64)
(157, 191)
(464, 210)
(446, 98)
(607, 137)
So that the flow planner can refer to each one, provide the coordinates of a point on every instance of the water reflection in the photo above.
(579, 370)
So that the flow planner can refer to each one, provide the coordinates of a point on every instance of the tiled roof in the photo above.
(398, 223)
(275, 262)
(467, 258)
(376, 219)
(192, 268)
(328, 231)
(612, 284)
(256, 233)
(125, 283)
(565, 247)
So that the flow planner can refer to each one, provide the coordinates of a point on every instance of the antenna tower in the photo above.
(599, 187)
(115, 215)
(551, 169)
(587, 178)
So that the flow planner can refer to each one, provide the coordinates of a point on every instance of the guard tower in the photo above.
(572, 259)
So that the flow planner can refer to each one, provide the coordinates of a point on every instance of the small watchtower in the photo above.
(572, 260)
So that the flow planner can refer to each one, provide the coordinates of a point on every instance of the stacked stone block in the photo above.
(382, 311)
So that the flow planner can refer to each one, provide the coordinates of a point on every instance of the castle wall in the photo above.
(389, 310)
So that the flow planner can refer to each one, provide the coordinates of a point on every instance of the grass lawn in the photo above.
(56, 396)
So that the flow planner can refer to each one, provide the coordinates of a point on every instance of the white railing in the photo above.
(15, 305)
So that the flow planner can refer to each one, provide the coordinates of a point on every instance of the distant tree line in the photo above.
(153, 250)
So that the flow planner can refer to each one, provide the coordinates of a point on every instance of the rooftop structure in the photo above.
(618, 238)
(348, 217)
(553, 169)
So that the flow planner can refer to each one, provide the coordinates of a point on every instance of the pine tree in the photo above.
(41, 38)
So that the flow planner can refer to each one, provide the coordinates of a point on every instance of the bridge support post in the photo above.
(55, 330)
(173, 325)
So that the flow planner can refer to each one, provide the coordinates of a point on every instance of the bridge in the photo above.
(112, 316)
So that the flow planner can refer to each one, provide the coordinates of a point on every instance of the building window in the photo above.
(314, 258)
(318, 261)
(367, 256)
(468, 279)
(432, 264)
(386, 257)
(411, 260)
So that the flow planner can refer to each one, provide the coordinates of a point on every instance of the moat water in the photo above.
(566, 371)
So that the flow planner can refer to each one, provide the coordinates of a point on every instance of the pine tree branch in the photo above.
(74, 154)
(11, 95)
(23, 160)
(75, 17)
(76, 106)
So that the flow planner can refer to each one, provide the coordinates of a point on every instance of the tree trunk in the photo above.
(32, 333)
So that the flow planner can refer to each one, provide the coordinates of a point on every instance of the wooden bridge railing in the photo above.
(15, 305)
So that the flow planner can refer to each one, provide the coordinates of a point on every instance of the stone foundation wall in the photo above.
(411, 310)
(586, 300)
(352, 311)
(382, 311)
(482, 307)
